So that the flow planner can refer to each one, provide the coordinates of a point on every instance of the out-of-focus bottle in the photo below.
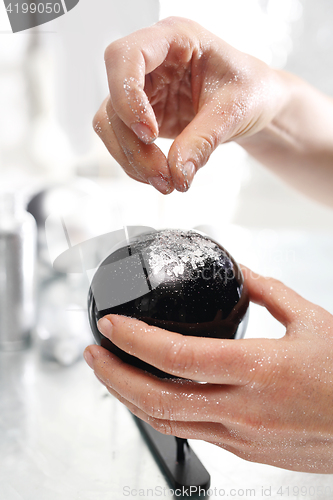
(18, 237)
(62, 331)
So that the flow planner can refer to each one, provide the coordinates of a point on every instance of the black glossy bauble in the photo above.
(181, 281)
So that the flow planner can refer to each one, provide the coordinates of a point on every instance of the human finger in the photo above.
(214, 124)
(145, 160)
(130, 59)
(142, 162)
(237, 434)
(253, 425)
(103, 127)
(168, 399)
(217, 361)
(282, 302)
(208, 431)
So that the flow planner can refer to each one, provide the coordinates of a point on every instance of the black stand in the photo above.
(178, 461)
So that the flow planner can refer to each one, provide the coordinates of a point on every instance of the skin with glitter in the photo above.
(181, 82)
(265, 400)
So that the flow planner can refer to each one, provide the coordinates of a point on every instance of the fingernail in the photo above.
(188, 172)
(105, 327)
(88, 358)
(143, 132)
(162, 185)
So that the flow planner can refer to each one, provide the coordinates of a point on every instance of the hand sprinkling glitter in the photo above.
(179, 81)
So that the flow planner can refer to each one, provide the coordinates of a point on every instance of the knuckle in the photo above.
(272, 285)
(179, 23)
(113, 50)
(146, 404)
(154, 405)
(163, 426)
(247, 455)
(209, 143)
(98, 120)
(179, 359)
(173, 20)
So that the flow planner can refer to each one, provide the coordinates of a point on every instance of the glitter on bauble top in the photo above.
(181, 281)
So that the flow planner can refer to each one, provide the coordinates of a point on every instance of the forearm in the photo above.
(298, 144)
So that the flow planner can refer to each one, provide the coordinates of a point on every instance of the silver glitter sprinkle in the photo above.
(174, 251)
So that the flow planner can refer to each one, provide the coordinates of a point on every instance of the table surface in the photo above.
(62, 436)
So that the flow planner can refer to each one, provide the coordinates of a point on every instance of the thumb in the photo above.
(213, 124)
(281, 301)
